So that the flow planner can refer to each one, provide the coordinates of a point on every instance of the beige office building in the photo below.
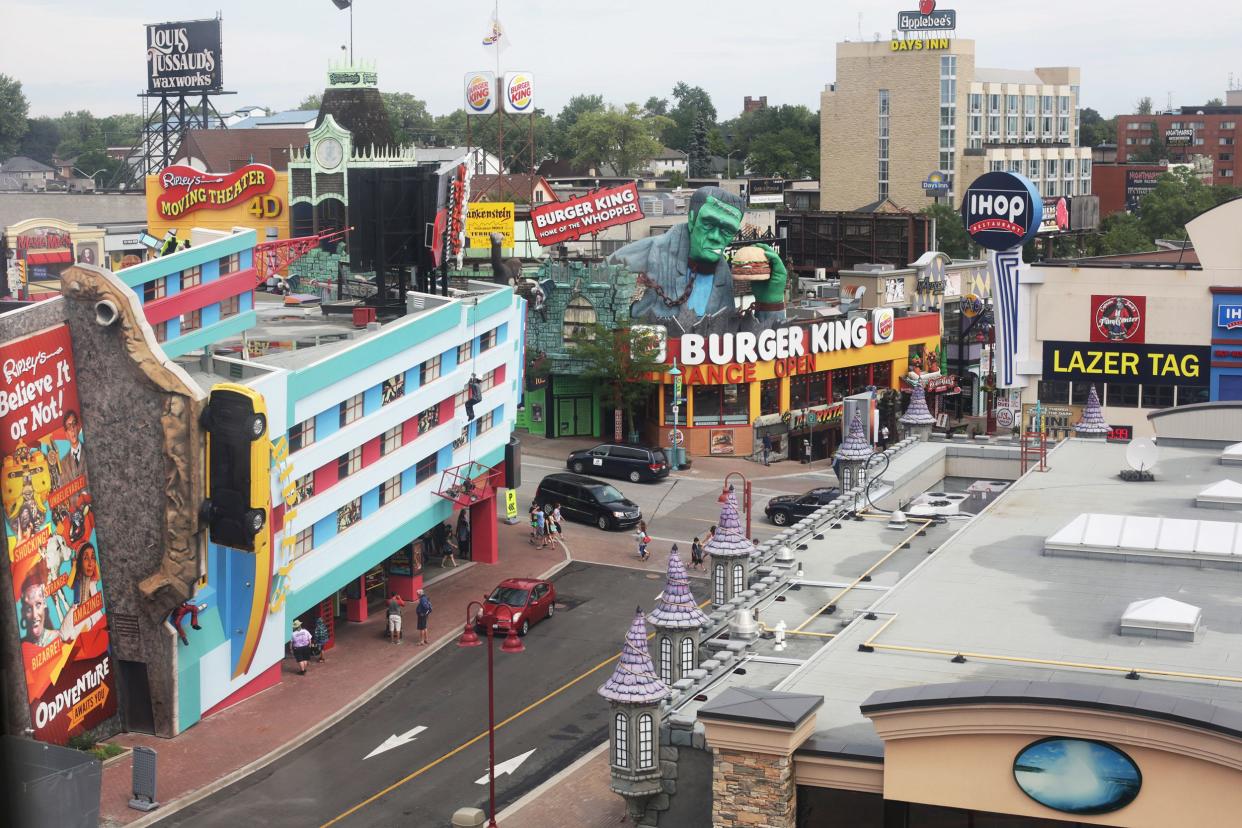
(897, 114)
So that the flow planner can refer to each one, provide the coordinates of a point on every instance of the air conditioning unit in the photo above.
(827, 291)
(821, 273)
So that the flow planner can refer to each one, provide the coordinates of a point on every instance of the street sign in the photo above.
(616, 425)
(510, 503)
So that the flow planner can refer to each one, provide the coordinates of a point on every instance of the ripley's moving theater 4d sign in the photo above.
(52, 549)
(186, 189)
(1001, 212)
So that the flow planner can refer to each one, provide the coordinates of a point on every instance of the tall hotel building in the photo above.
(896, 115)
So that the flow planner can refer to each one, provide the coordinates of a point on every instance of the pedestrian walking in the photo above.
(395, 603)
(440, 536)
(320, 637)
(643, 540)
(301, 645)
(463, 535)
(551, 530)
(449, 552)
(883, 438)
(422, 610)
(534, 524)
(558, 519)
(711, 533)
(541, 529)
(767, 448)
(696, 554)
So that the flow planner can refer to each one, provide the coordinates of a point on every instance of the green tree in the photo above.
(1119, 233)
(789, 153)
(41, 139)
(693, 103)
(411, 122)
(618, 361)
(1095, 129)
(951, 237)
(13, 111)
(1177, 198)
(79, 132)
(620, 137)
(575, 108)
(311, 101)
(1153, 152)
(676, 178)
(699, 164)
(1143, 106)
(656, 106)
(1214, 102)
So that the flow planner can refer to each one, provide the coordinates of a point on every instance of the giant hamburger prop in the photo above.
(749, 264)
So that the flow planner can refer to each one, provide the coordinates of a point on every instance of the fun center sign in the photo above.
(52, 548)
(185, 189)
(591, 213)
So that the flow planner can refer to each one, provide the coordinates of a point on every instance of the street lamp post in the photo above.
(729, 163)
(513, 644)
(675, 373)
(724, 495)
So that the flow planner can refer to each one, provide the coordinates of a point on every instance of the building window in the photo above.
(1051, 168)
(1063, 104)
(621, 740)
(994, 126)
(1225, 142)
(485, 423)
(391, 441)
(487, 341)
(230, 264)
(882, 185)
(1192, 394)
(462, 438)
(1033, 168)
(579, 319)
(1157, 396)
(463, 353)
(994, 103)
(349, 514)
(230, 307)
(429, 370)
(191, 277)
(1228, 124)
(739, 579)
(392, 389)
(303, 543)
(770, 397)
(1050, 189)
(1011, 104)
(391, 490)
(303, 489)
(351, 410)
(1079, 392)
(687, 655)
(646, 741)
(721, 404)
(161, 332)
(155, 289)
(349, 463)
(976, 102)
(1054, 392)
(1226, 173)
(302, 435)
(718, 583)
(428, 419)
(426, 468)
(1122, 395)
(666, 659)
(191, 321)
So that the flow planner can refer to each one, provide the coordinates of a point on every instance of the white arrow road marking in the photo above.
(506, 767)
(397, 741)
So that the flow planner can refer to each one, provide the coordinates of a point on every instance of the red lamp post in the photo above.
(513, 644)
(724, 495)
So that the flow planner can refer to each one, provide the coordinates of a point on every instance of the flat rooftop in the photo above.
(989, 590)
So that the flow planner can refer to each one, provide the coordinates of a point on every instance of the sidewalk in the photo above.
(224, 747)
(577, 797)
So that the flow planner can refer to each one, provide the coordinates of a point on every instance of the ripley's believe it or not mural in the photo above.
(50, 527)
(684, 278)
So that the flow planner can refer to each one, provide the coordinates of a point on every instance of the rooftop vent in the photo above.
(1226, 494)
(1232, 455)
(936, 504)
(1161, 618)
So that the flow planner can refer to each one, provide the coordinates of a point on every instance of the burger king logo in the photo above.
(479, 93)
(883, 324)
(519, 93)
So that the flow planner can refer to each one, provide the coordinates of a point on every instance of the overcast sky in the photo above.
(89, 54)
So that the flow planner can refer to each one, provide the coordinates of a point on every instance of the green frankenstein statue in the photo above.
(688, 286)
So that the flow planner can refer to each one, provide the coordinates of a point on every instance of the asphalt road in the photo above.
(330, 778)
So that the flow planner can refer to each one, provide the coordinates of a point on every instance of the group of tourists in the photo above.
(546, 524)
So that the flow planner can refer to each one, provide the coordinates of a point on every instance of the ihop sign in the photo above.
(1002, 210)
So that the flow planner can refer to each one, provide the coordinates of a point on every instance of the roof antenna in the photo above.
(860, 27)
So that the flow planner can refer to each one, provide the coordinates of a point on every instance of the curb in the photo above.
(552, 782)
(173, 806)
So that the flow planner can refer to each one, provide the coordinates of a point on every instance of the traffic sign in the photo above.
(510, 503)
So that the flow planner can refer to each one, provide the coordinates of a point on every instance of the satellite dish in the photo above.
(1142, 454)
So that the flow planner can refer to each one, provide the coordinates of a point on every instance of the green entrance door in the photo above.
(573, 416)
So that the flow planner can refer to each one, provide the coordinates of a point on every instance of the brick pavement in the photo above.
(577, 797)
(258, 730)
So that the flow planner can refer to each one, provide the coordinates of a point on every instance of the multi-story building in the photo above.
(895, 115)
(1184, 137)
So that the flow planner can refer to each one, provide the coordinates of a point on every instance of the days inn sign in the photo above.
(921, 22)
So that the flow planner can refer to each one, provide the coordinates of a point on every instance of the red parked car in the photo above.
(530, 600)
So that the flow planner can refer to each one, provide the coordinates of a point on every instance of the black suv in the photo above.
(587, 500)
(786, 509)
(634, 463)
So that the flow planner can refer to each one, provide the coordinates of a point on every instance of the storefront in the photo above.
(728, 405)
(38, 250)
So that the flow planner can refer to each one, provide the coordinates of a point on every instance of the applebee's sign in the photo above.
(927, 19)
(1002, 210)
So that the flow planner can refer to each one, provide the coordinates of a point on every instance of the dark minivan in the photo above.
(634, 463)
(587, 500)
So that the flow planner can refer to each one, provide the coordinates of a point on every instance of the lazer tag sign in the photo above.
(1126, 363)
(1002, 210)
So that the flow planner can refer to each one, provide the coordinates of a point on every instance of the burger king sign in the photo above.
(480, 93)
(519, 92)
(882, 326)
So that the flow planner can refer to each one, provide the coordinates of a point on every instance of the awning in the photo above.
(52, 257)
